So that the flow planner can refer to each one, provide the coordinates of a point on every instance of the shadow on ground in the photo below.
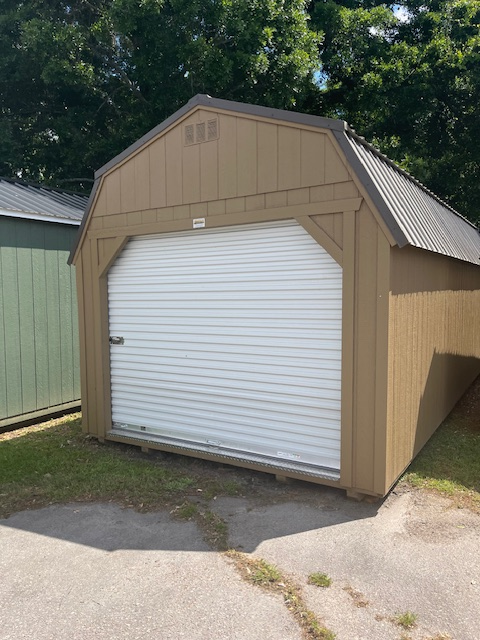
(110, 527)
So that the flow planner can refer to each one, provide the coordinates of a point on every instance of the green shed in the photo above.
(39, 352)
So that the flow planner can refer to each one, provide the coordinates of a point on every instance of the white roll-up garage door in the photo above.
(229, 341)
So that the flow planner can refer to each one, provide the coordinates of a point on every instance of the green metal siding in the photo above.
(39, 351)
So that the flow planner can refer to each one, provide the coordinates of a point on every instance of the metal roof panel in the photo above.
(22, 198)
(424, 220)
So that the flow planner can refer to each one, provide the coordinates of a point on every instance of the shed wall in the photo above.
(255, 171)
(39, 350)
(434, 347)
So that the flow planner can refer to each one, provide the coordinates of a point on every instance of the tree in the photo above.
(410, 82)
(81, 80)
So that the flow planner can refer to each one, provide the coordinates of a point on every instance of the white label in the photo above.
(290, 456)
(198, 223)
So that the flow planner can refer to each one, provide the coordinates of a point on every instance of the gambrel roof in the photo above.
(413, 214)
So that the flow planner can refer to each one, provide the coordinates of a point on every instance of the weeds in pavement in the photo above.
(319, 580)
(267, 576)
(407, 620)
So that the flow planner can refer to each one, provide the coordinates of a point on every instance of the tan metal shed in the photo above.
(266, 289)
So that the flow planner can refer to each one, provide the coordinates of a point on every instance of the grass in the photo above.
(269, 577)
(215, 530)
(407, 620)
(319, 580)
(262, 573)
(449, 464)
(56, 463)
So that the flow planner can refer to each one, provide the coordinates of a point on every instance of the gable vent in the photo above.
(212, 132)
(201, 132)
(189, 134)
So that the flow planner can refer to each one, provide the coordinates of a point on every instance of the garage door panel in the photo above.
(232, 339)
(144, 354)
(272, 421)
(235, 352)
(230, 433)
(220, 339)
(223, 369)
(282, 411)
(211, 387)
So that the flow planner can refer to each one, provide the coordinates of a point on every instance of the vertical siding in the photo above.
(209, 178)
(40, 319)
(174, 150)
(11, 320)
(434, 347)
(252, 167)
(83, 324)
(248, 158)
(89, 387)
(26, 318)
(191, 168)
(39, 359)
(227, 157)
(335, 169)
(312, 159)
(157, 174)
(288, 158)
(3, 360)
(370, 346)
(112, 187)
(267, 157)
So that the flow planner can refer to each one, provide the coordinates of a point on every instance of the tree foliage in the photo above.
(81, 80)
(407, 77)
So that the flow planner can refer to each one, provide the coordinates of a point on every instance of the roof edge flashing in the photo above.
(32, 215)
(396, 231)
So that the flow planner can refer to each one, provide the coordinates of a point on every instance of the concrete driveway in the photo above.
(97, 571)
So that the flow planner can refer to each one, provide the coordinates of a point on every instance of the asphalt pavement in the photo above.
(102, 572)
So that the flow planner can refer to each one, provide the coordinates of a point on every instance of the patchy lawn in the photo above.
(55, 462)
(449, 463)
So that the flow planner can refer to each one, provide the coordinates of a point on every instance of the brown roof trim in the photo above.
(370, 186)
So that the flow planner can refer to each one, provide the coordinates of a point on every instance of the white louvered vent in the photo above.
(189, 134)
(212, 132)
(201, 132)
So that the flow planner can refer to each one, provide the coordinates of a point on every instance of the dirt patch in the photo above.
(358, 598)
(435, 519)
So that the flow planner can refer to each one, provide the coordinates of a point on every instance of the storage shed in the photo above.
(264, 288)
(39, 353)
